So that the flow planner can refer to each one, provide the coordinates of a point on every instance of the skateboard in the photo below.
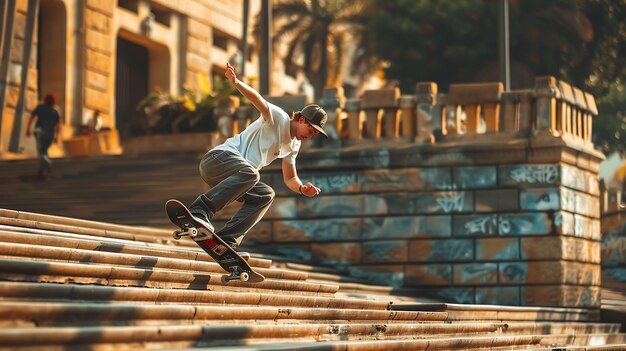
(213, 245)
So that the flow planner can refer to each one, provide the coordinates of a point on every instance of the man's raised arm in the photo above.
(248, 92)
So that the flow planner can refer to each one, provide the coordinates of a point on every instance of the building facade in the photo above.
(106, 56)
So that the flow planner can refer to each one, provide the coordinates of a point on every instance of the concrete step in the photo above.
(613, 347)
(21, 291)
(75, 223)
(46, 253)
(79, 241)
(459, 312)
(59, 272)
(74, 284)
(48, 314)
(300, 337)
(271, 337)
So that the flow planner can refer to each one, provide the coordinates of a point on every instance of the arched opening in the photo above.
(51, 51)
(141, 66)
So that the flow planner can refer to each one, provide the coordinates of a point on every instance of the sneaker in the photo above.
(201, 217)
(243, 254)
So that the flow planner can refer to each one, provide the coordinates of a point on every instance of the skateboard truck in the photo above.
(191, 231)
(235, 274)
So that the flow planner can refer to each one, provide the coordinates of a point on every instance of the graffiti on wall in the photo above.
(531, 174)
(475, 177)
(337, 182)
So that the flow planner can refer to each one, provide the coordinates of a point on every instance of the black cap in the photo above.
(316, 116)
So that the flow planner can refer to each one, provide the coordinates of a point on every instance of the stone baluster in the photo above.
(450, 116)
(579, 113)
(477, 99)
(353, 110)
(568, 103)
(425, 96)
(391, 122)
(372, 102)
(592, 111)
(547, 93)
(407, 104)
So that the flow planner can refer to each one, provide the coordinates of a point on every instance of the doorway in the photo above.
(51, 52)
(131, 86)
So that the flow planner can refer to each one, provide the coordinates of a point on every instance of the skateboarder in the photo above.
(232, 168)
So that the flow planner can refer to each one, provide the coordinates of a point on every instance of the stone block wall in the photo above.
(613, 245)
(518, 234)
(484, 215)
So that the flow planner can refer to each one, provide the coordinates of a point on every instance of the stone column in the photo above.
(425, 99)
(353, 109)
(331, 101)
(547, 94)
(224, 115)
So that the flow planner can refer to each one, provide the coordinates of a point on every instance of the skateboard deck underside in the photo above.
(223, 254)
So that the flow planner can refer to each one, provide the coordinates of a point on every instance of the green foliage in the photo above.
(609, 128)
(582, 42)
(190, 112)
(315, 33)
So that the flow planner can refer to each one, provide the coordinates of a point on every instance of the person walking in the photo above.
(46, 131)
(232, 169)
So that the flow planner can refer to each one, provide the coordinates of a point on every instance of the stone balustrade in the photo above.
(552, 107)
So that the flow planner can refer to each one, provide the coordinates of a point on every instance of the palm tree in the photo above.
(318, 31)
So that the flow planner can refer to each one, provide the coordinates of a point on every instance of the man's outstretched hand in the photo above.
(310, 190)
(230, 73)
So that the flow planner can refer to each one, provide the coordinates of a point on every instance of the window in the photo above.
(161, 14)
(130, 5)
(220, 40)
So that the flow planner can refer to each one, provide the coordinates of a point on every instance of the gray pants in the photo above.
(44, 141)
(232, 178)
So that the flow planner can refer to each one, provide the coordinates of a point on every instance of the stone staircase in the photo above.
(75, 284)
(116, 189)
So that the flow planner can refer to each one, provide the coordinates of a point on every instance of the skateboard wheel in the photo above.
(244, 277)
(193, 232)
(176, 234)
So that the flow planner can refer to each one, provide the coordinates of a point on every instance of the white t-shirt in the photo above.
(263, 142)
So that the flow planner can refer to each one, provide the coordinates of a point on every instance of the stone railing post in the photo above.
(547, 93)
(224, 115)
(517, 111)
(243, 117)
(509, 118)
(526, 98)
(425, 96)
(353, 110)
(331, 101)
